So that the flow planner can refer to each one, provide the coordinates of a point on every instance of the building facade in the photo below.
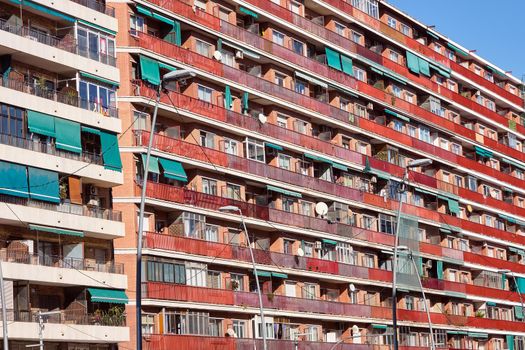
(59, 161)
(305, 116)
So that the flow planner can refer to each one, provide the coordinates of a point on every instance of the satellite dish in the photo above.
(217, 55)
(321, 208)
(300, 252)
(262, 118)
(231, 333)
(351, 287)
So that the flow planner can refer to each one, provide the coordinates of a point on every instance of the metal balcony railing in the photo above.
(98, 6)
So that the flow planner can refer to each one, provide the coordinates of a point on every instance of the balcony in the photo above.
(230, 252)
(98, 6)
(69, 317)
(167, 291)
(66, 43)
(201, 62)
(56, 96)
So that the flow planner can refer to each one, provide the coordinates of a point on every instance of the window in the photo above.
(298, 47)
(239, 328)
(345, 253)
(96, 98)
(409, 302)
(357, 37)
(438, 48)
(255, 149)
(207, 139)
(209, 186)
(213, 279)
(230, 146)
(405, 29)
(300, 86)
(458, 180)
(215, 327)
(398, 125)
(136, 26)
(200, 4)
(277, 37)
(359, 74)
(304, 167)
(288, 246)
(456, 148)
(285, 161)
(368, 222)
(394, 56)
(211, 233)
(196, 274)
(204, 93)
(148, 323)
(158, 271)
(233, 236)
(424, 133)
(392, 22)
(309, 291)
(193, 224)
(452, 85)
(12, 121)
(370, 7)
(237, 281)
(233, 191)
(140, 121)
(396, 91)
(287, 204)
(360, 110)
(295, 7)
(472, 183)
(411, 131)
(228, 58)
(340, 28)
(306, 208)
(308, 249)
(282, 121)
(311, 333)
(387, 223)
(409, 97)
(279, 79)
(224, 13)
(203, 48)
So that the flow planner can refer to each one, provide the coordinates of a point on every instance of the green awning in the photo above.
(518, 312)
(395, 77)
(173, 170)
(44, 9)
(110, 151)
(149, 70)
(425, 191)
(144, 11)
(506, 189)
(279, 275)
(380, 174)
(491, 303)
(99, 79)
(41, 123)
(508, 218)
(457, 50)
(13, 180)
(262, 273)
(453, 206)
(375, 70)
(483, 152)
(412, 62)
(424, 67)
(311, 79)
(174, 36)
(379, 326)
(112, 296)
(90, 130)
(245, 102)
(167, 66)
(517, 251)
(58, 231)
(283, 191)
(43, 185)
(97, 27)
(520, 284)
(162, 18)
(227, 97)
(439, 269)
(248, 12)
(333, 59)
(347, 65)
(432, 35)
(478, 335)
(318, 159)
(444, 230)
(457, 332)
(68, 135)
(399, 116)
(329, 241)
(510, 342)
(153, 164)
(273, 146)
(340, 166)
(513, 163)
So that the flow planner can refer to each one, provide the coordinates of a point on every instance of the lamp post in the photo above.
(232, 208)
(412, 164)
(427, 310)
(166, 79)
(511, 274)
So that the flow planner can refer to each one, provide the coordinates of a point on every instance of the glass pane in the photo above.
(93, 46)
(83, 91)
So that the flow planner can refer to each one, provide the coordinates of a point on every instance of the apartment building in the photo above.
(59, 161)
(299, 105)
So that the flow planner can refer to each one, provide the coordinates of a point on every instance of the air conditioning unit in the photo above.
(318, 245)
(239, 54)
(370, 106)
(92, 190)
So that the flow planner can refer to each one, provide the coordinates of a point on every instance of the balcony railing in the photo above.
(21, 257)
(54, 95)
(68, 43)
(233, 252)
(68, 208)
(69, 317)
(43, 147)
(98, 6)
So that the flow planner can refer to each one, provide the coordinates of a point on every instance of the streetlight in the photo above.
(511, 274)
(233, 208)
(166, 79)
(413, 164)
(411, 257)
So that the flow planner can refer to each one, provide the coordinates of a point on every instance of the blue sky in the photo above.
(494, 28)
